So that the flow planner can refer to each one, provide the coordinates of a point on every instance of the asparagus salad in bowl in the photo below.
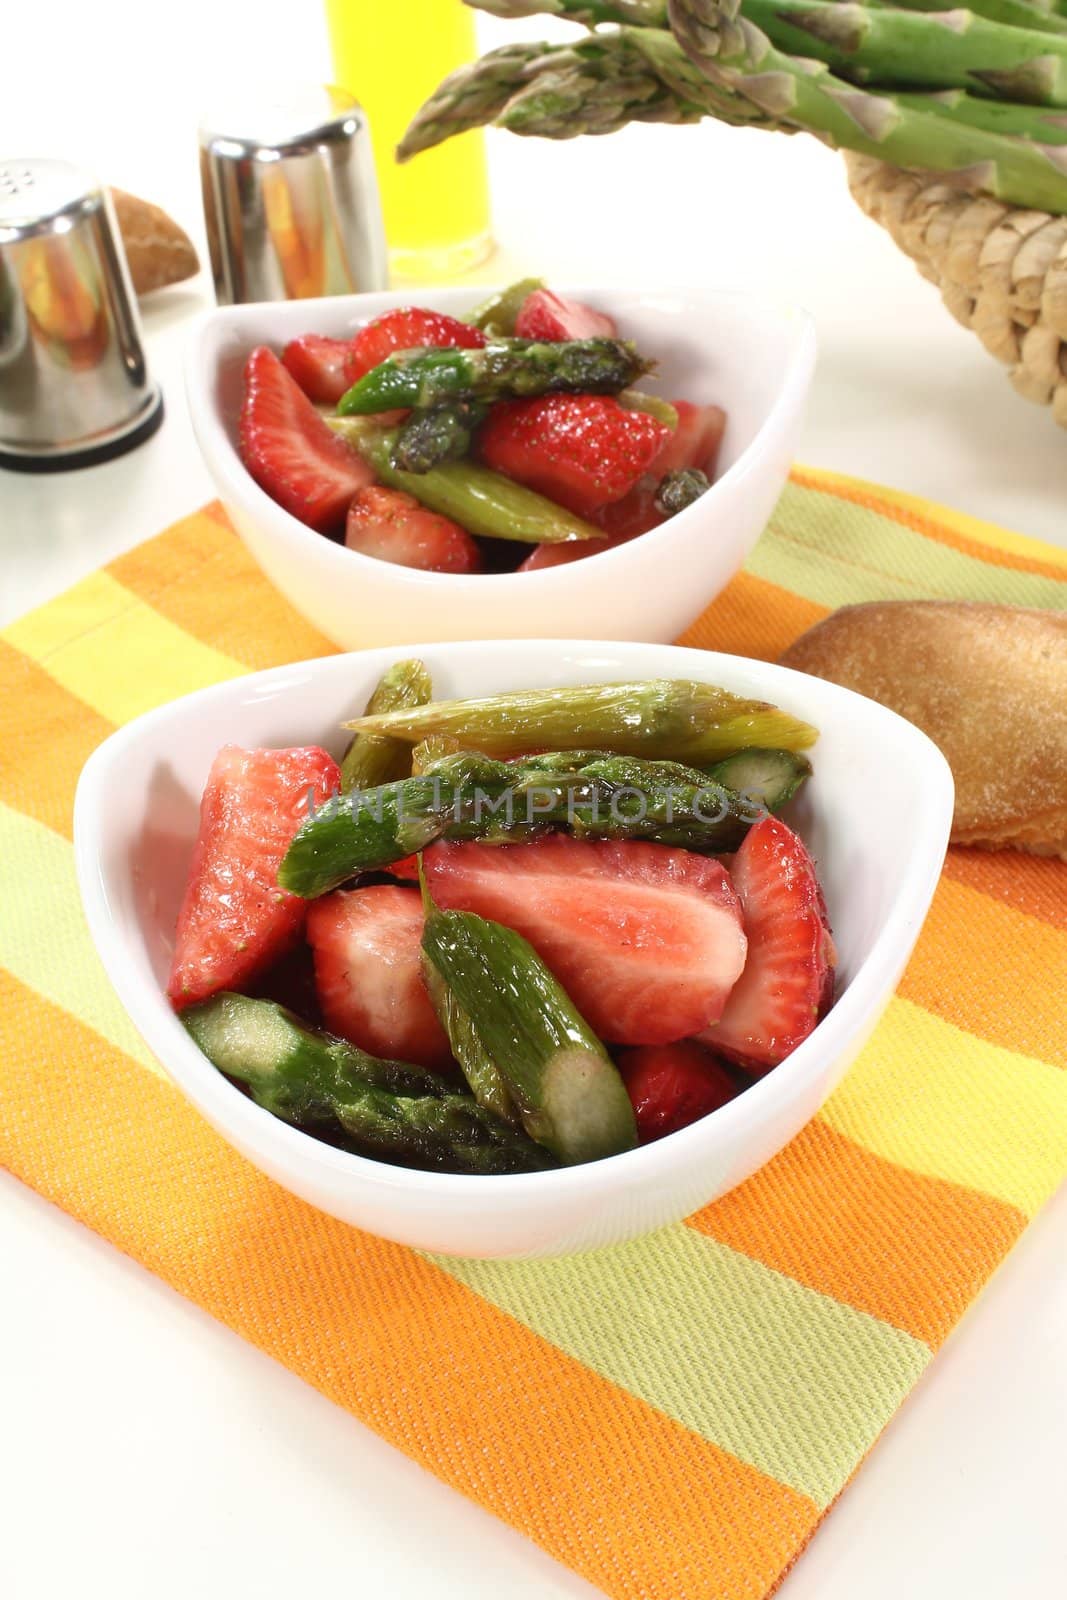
(541, 463)
(508, 950)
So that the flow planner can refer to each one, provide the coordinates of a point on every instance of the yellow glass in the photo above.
(391, 54)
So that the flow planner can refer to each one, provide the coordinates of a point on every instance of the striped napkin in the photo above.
(736, 1367)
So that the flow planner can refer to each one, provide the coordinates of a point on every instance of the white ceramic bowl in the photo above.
(751, 356)
(876, 815)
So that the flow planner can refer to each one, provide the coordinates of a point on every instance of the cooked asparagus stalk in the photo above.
(453, 1132)
(501, 370)
(293, 1071)
(443, 433)
(481, 501)
(371, 760)
(734, 54)
(946, 50)
(323, 1084)
(484, 1077)
(660, 717)
(653, 405)
(767, 777)
(474, 797)
(432, 749)
(565, 1085)
(679, 489)
(496, 316)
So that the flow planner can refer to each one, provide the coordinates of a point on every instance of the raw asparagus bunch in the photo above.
(325, 1085)
(746, 54)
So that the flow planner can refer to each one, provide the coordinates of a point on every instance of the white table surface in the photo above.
(147, 1450)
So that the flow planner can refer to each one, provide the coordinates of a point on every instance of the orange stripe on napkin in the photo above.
(198, 575)
(46, 736)
(909, 1249)
(752, 618)
(389, 1335)
(1036, 885)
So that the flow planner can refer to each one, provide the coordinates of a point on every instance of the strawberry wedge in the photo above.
(318, 365)
(235, 922)
(393, 526)
(291, 452)
(407, 328)
(368, 973)
(788, 981)
(544, 315)
(646, 940)
(672, 1085)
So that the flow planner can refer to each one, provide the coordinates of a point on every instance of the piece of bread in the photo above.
(158, 251)
(987, 683)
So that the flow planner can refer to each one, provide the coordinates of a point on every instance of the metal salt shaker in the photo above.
(74, 383)
(291, 198)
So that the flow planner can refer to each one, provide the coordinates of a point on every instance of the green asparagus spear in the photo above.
(736, 55)
(1017, 13)
(371, 760)
(768, 777)
(443, 433)
(452, 1132)
(954, 50)
(671, 718)
(496, 316)
(502, 369)
(470, 97)
(481, 501)
(470, 796)
(643, 13)
(325, 1085)
(432, 749)
(293, 1071)
(1038, 123)
(484, 1077)
(565, 1085)
(653, 405)
(679, 489)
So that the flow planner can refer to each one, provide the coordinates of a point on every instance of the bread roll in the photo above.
(158, 251)
(987, 683)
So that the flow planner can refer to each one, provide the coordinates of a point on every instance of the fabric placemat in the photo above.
(671, 1418)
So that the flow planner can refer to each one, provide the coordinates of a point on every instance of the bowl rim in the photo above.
(290, 1149)
(226, 466)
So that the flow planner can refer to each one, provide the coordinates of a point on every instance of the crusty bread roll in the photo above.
(987, 683)
(158, 251)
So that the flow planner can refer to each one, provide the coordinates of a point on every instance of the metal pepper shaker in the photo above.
(74, 383)
(291, 198)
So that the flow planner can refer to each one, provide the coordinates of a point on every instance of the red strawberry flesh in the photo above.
(408, 328)
(672, 1085)
(368, 973)
(544, 315)
(318, 365)
(787, 983)
(234, 921)
(393, 526)
(581, 450)
(693, 443)
(291, 452)
(646, 940)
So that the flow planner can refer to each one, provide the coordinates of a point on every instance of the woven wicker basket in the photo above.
(1002, 271)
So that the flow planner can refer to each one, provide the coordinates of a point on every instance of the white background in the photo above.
(145, 1449)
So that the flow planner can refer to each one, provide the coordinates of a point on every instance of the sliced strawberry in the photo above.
(235, 921)
(318, 365)
(368, 972)
(545, 315)
(672, 1085)
(561, 554)
(787, 984)
(693, 443)
(291, 452)
(409, 328)
(393, 526)
(644, 938)
(582, 450)
(407, 869)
